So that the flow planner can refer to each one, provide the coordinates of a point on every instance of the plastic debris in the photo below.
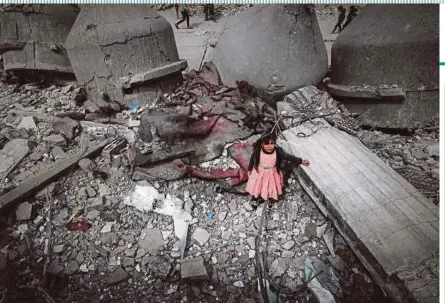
(147, 198)
(323, 280)
(211, 215)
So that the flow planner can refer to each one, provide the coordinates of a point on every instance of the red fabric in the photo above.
(82, 225)
(241, 155)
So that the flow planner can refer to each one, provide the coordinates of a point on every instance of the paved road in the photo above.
(193, 44)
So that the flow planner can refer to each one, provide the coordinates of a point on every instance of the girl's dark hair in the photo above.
(266, 138)
(257, 146)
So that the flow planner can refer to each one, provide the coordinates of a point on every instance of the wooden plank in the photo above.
(35, 184)
(390, 226)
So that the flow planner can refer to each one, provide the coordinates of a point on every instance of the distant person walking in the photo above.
(341, 18)
(351, 15)
(185, 16)
(177, 10)
(209, 10)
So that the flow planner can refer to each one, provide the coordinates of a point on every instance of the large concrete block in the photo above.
(33, 38)
(123, 50)
(276, 48)
(389, 46)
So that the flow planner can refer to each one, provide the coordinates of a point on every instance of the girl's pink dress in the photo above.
(267, 182)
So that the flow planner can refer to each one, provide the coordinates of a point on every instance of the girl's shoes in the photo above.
(253, 203)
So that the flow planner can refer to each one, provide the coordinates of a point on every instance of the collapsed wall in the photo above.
(119, 52)
(385, 65)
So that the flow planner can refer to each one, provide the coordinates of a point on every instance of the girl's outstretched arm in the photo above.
(290, 158)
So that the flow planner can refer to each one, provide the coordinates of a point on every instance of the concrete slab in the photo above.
(11, 155)
(35, 184)
(389, 225)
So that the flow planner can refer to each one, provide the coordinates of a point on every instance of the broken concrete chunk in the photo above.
(58, 152)
(433, 150)
(55, 140)
(87, 165)
(11, 154)
(67, 88)
(95, 202)
(66, 126)
(107, 227)
(79, 95)
(58, 249)
(91, 107)
(83, 268)
(90, 191)
(50, 188)
(103, 80)
(193, 269)
(221, 216)
(288, 245)
(71, 268)
(117, 276)
(104, 190)
(27, 123)
(278, 267)
(24, 211)
(150, 240)
(201, 236)
(93, 214)
(55, 267)
(233, 64)
(61, 216)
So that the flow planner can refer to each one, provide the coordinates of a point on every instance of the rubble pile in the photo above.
(415, 157)
(128, 225)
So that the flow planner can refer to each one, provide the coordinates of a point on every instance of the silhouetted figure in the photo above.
(209, 10)
(351, 15)
(341, 18)
(177, 10)
(185, 16)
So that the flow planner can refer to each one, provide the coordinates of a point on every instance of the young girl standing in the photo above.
(266, 179)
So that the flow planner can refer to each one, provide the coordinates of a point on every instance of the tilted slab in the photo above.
(389, 224)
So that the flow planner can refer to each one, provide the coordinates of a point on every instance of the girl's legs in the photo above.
(254, 202)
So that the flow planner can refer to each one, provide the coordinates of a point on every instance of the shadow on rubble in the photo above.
(39, 77)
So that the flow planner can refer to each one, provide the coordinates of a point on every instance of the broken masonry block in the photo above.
(119, 51)
(399, 84)
(194, 270)
(258, 52)
(36, 36)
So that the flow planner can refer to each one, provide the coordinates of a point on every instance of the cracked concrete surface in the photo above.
(122, 42)
(29, 24)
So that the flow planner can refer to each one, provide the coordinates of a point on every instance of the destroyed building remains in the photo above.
(124, 157)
